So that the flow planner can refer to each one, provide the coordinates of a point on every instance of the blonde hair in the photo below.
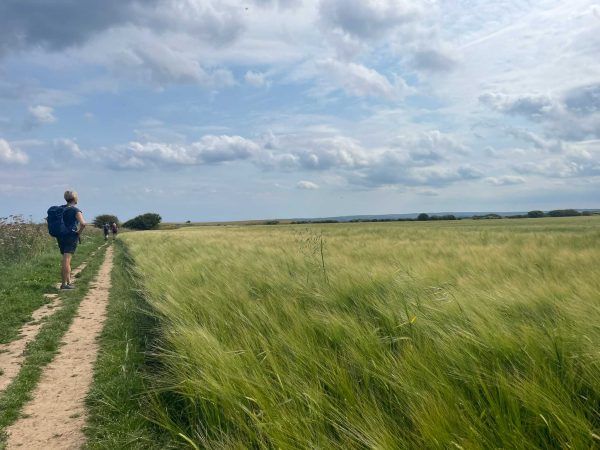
(71, 196)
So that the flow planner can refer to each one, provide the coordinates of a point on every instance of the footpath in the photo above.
(56, 415)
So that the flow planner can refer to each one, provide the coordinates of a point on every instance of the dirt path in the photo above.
(55, 417)
(12, 354)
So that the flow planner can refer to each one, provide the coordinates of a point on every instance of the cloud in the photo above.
(506, 180)
(284, 4)
(421, 159)
(412, 160)
(67, 149)
(578, 160)
(368, 19)
(307, 185)
(31, 23)
(9, 155)
(26, 23)
(156, 60)
(358, 80)
(429, 146)
(572, 115)
(209, 149)
(39, 115)
(215, 22)
(583, 100)
(391, 169)
(338, 152)
(549, 145)
(533, 106)
(257, 79)
(434, 60)
(155, 41)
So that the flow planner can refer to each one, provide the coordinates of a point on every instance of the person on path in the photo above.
(106, 229)
(114, 229)
(73, 219)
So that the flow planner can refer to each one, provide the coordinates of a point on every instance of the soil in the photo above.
(56, 415)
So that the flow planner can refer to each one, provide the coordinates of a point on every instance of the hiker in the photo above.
(106, 229)
(67, 242)
(114, 229)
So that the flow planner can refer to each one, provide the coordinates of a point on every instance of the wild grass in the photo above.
(400, 335)
(21, 239)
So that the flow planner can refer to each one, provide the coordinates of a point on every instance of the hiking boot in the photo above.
(66, 287)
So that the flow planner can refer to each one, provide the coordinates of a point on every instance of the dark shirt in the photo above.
(69, 218)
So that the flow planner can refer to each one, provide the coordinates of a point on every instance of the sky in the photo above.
(229, 110)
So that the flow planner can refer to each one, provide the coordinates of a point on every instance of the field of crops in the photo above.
(466, 334)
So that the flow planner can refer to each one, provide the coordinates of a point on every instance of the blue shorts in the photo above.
(67, 244)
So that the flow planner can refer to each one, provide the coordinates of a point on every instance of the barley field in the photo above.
(460, 334)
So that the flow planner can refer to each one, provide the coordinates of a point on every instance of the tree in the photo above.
(146, 221)
(100, 220)
(423, 216)
(564, 213)
(535, 214)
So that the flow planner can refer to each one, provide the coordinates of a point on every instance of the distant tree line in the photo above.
(150, 221)
(316, 221)
(420, 217)
(426, 217)
(554, 213)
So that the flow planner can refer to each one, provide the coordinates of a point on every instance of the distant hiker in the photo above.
(114, 229)
(66, 223)
(106, 229)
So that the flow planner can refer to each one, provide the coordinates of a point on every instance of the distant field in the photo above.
(465, 334)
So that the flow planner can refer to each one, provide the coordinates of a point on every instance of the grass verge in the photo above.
(116, 400)
(41, 351)
(23, 284)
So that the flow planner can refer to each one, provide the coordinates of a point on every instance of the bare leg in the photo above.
(66, 268)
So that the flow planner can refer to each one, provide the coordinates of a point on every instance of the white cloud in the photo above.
(9, 155)
(580, 159)
(209, 149)
(358, 80)
(307, 185)
(39, 115)
(429, 146)
(67, 148)
(505, 180)
(156, 59)
(571, 115)
(256, 79)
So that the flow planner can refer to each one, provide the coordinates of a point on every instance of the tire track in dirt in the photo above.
(12, 354)
(56, 415)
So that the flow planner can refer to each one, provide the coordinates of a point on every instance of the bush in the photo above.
(564, 213)
(535, 214)
(271, 222)
(100, 220)
(423, 216)
(146, 221)
(487, 216)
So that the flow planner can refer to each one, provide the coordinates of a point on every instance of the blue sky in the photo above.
(224, 110)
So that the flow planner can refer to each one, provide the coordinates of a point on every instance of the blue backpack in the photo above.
(56, 222)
